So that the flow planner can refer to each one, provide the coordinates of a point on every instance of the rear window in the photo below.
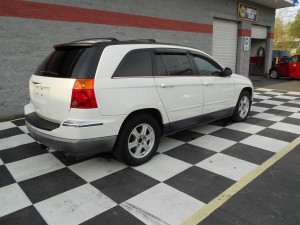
(70, 63)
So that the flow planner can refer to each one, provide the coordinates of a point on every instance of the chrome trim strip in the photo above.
(74, 123)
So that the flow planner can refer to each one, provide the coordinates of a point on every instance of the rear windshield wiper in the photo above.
(49, 73)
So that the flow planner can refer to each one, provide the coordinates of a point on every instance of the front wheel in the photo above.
(274, 74)
(138, 140)
(242, 108)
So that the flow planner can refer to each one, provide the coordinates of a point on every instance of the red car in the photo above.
(288, 68)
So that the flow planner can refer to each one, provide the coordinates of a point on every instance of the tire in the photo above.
(138, 140)
(274, 74)
(242, 108)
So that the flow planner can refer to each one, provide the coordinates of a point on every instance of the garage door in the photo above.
(225, 42)
(259, 32)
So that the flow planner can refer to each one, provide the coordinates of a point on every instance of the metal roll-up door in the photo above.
(259, 32)
(225, 34)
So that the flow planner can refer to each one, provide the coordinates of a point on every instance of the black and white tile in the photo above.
(191, 168)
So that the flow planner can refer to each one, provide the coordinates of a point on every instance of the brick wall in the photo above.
(28, 30)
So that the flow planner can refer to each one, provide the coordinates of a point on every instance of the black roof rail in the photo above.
(91, 39)
(144, 40)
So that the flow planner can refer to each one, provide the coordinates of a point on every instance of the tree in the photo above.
(283, 40)
(279, 32)
(295, 26)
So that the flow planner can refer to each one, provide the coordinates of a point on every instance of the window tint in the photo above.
(137, 63)
(206, 68)
(70, 63)
(296, 59)
(177, 64)
(161, 68)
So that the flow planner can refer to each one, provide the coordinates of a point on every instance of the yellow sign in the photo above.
(247, 12)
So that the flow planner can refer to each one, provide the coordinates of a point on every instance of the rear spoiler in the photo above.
(85, 43)
(73, 45)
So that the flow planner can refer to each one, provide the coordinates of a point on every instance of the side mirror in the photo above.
(227, 72)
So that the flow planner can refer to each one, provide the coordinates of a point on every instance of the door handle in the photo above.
(166, 85)
(207, 84)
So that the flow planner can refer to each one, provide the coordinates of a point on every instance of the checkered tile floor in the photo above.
(191, 168)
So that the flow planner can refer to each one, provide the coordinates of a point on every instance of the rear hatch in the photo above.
(52, 83)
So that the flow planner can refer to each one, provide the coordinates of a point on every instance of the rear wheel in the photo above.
(274, 74)
(138, 140)
(242, 108)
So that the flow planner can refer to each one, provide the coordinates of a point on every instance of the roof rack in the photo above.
(144, 40)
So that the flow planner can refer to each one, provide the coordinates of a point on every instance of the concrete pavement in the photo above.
(279, 84)
(271, 199)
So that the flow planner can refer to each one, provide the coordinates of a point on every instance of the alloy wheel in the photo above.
(274, 74)
(141, 140)
(244, 107)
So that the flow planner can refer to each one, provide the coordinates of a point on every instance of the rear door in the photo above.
(179, 88)
(52, 83)
(218, 90)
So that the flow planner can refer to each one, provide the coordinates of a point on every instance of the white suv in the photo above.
(101, 94)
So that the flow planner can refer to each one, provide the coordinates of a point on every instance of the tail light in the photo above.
(83, 95)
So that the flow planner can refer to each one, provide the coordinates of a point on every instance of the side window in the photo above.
(178, 65)
(137, 63)
(161, 68)
(207, 68)
(296, 59)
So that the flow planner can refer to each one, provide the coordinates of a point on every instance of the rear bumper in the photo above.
(73, 146)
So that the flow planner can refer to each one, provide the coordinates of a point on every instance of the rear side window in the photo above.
(136, 63)
(178, 65)
(70, 63)
(295, 59)
(161, 68)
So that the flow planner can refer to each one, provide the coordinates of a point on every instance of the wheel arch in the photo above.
(155, 113)
(249, 90)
